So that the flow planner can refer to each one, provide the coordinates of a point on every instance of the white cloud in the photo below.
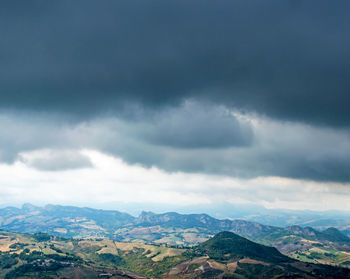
(112, 180)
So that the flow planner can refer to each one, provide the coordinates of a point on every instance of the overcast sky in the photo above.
(175, 102)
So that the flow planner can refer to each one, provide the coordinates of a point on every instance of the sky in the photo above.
(180, 103)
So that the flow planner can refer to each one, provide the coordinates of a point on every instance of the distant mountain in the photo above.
(323, 223)
(82, 222)
(333, 235)
(305, 218)
(186, 221)
(306, 243)
(330, 235)
(66, 221)
(254, 213)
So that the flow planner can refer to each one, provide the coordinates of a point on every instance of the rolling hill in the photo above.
(226, 255)
(227, 246)
(305, 243)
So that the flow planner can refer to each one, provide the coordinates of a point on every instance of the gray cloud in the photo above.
(26, 132)
(284, 59)
(56, 160)
(196, 125)
(272, 148)
(154, 83)
(286, 150)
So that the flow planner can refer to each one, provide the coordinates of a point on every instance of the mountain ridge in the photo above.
(109, 220)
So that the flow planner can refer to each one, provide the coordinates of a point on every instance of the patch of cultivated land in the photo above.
(155, 252)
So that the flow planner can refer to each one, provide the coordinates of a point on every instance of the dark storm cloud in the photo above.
(156, 82)
(279, 149)
(285, 59)
(196, 125)
(269, 148)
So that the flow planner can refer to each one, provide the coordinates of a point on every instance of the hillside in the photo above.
(226, 246)
(44, 256)
(226, 255)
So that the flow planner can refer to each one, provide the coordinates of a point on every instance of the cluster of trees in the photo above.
(7, 260)
(35, 262)
(27, 268)
(53, 247)
(40, 237)
(25, 255)
(17, 245)
(111, 259)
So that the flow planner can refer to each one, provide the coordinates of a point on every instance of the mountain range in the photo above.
(329, 246)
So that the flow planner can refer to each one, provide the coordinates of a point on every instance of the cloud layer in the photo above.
(192, 138)
(112, 181)
(285, 59)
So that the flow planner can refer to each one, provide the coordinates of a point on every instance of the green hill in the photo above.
(334, 235)
(227, 246)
